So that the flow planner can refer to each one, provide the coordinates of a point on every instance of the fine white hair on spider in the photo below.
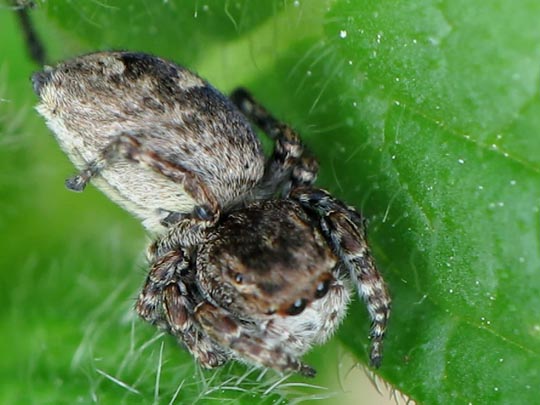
(250, 260)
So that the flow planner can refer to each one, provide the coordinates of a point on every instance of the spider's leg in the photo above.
(163, 273)
(178, 306)
(247, 341)
(132, 148)
(344, 229)
(290, 165)
(168, 300)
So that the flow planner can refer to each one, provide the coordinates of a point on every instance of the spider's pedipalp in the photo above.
(249, 341)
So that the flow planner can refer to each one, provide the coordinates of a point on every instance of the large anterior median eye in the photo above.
(297, 307)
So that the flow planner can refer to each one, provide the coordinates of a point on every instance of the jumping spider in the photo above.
(250, 260)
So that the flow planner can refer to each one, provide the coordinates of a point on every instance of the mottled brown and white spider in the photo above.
(250, 260)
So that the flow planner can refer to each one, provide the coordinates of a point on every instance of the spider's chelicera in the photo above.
(250, 261)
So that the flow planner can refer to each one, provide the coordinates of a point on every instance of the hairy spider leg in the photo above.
(133, 148)
(168, 301)
(345, 231)
(290, 165)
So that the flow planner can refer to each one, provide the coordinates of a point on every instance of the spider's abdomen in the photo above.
(91, 100)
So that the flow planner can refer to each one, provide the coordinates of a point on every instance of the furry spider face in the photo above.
(273, 278)
(265, 259)
(250, 260)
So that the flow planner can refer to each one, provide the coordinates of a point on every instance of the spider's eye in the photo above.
(238, 278)
(297, 307)
(322, 289)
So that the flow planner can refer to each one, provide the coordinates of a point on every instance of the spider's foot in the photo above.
(78, 183)
(307, 371)
(375, 357)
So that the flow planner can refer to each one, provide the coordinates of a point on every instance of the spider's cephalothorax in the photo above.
(250, 260)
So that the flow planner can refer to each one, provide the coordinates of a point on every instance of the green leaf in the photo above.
(424, 114)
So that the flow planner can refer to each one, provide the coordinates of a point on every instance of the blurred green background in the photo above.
(424, 114)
